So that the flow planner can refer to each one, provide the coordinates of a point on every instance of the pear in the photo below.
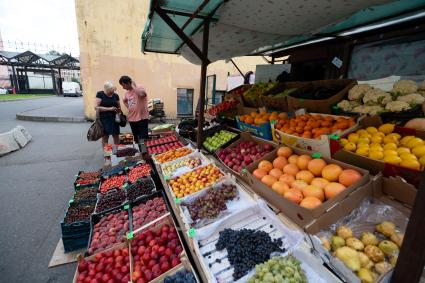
(369, 238)
(344, 232)
(374, 253)
(383, 267)
(337, 242)
(354, 243)
(365, 275)
(389, 248)
(397, 238)
(349, 257)
(365, 262)
(386, 228)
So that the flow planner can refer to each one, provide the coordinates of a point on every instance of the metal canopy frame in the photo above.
(411, 260)
(201, 53)
(29, 59)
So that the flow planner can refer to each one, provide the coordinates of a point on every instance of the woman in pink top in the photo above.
(137, 103)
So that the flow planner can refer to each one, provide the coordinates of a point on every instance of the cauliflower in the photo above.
(344, 105)
(413, 98)
(376, 97)
(405, 87)
(397, 106)
(366, 109)
(358, 91)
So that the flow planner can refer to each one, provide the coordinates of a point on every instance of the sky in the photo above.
(39, 25)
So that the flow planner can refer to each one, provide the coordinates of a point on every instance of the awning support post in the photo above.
(237, 68)
(205, 62)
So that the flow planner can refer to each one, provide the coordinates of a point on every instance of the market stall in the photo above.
(313, 181)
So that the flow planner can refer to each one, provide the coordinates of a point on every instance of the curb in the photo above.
(20, 116)
(22, 99)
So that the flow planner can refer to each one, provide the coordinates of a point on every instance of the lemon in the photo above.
(386, 128)
(376, 154)
(371, 130)
(376, 147)
(364, 140)
(376, 139)
(382, 135)
(343, 142)
(388, 152)
(363, 151)
(361, 131)
(362, 145)
(390, 145)
(419, 150)
(350, 146)
(392, 159)
(353, 137)
(402, 150)
(414, 142)
(395, 135)
(410, 163)
(406, 139)
(390, 139)
(365, 135)
(406, 156)
(422, 160)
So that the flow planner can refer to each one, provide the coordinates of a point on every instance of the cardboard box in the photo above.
(263, 131)
(301, 216)
(391, 191)
(372, 165)
(245, 136)
(322, 145)
(281, 103)
(323, 105)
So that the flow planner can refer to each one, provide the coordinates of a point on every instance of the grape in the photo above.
(246, 248)
(279, 269)
(181, 276)
(212, 203)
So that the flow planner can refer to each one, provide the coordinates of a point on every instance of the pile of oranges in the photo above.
(313, 126)
(263, 117)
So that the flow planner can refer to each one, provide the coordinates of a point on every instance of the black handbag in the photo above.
(121, 119)
(95, 131)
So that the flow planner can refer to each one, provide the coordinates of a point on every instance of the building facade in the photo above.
(110, 36)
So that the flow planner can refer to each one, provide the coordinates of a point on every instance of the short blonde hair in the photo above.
(109, 86)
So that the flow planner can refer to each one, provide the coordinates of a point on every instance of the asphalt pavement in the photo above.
(36, 183)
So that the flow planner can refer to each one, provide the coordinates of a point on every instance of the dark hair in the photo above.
(125, 80)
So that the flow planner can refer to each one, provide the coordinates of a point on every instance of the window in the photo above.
(184, 102)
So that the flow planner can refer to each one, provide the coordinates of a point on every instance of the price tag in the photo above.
(191, 232)
(177, 200)
(126, 206)
(125, 185)
(244, 170)
(316, 155)
(71, 200)
(126, 168)
(130, 235)
(166, 177)
(337, 62)
(334, 137)
(78, 185)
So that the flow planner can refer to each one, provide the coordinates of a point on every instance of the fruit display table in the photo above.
(253, 203)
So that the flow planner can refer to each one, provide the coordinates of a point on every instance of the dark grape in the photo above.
(142, 187)
(246, 248)
(110, 200)
(181, 276)
(212, 203)
(78, 212)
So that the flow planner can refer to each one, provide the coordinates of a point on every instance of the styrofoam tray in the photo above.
(188, 146)
(185, 169)
(241, 202)
(196, 193)
(258, 217)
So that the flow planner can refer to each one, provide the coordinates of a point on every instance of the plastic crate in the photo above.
(143, 200)
(75, 244)
(139, 183)
(95, 218)
(74, 228)
(109, 194)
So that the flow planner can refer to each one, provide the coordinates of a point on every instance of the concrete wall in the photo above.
(110, 36)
